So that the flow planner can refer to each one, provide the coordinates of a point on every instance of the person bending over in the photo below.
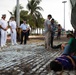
(70, 46)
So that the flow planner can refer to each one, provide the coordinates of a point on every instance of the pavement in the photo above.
(29, 59)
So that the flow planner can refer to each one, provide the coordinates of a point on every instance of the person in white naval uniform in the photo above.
(13, 26)
(4, 27)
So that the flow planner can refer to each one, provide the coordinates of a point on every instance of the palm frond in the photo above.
(10, 12)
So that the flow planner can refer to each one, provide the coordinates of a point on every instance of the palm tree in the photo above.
(13, 13)
(23, 15)
(34, 8)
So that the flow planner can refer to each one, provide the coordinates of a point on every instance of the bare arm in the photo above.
(63, 45)
(27, 29)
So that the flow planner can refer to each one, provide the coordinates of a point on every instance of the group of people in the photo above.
(4, 25)
(67, 60)
(50, 29)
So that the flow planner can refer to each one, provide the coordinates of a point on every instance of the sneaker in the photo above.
(12, 44)
(5, 45)
(2, 46)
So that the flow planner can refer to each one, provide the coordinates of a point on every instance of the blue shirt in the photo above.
(66, 62)
(53, 27)
(23, 26)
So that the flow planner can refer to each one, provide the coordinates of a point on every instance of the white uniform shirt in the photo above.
(3, 23)
(12, 24)
(24, 26)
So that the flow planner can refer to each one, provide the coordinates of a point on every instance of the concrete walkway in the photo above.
(30, 59)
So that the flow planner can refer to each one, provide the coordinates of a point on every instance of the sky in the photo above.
(53, 7)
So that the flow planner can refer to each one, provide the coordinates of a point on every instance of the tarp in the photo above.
(73, 13)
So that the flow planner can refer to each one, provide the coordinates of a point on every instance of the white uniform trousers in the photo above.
(3, 37)
(13, 37)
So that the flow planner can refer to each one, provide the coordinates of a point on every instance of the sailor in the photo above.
(13, 26)
(4, 27)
